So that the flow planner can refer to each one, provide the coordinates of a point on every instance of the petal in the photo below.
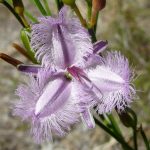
(90, 61)
(87, 118)
(61, 41)
(54, 96)
(99, 46)
(113, 79)
(29, 68)
(105, 79)
(56, 115)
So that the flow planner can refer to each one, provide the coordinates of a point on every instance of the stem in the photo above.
(89, 10)
(93, 35)
(120, 140)
(59, 4)
(115, 125)
(135, 138)
(14, 13)
(29, 15)
(25, 22)
(134, 128)
(147, 144)
(95, 26)
(40, 7)
(77, 11)
(47, 7)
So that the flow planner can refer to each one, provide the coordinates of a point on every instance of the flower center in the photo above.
(68, 76)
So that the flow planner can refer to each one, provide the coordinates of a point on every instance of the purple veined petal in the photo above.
(84, 80)
(54, 96)
(87, 118)
(29, 68)
(113, 78)
(99, 46)
(90, 61)
(55, 116)
(66, 38)
(63, 14)
(105, 79)
(68, 56)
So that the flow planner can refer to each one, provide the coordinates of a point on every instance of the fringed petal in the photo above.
(60, 41)
(87, 118)
(113, 79)
(57, 112)
(54, 96)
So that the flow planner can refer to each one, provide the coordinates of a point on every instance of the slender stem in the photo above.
(25, 22)
(78, 13)
(59, 4)
(40, 7)
(95, 26)
(134, 128)
(120, 140)
(47, 7)
(147, 144)
(14, 13)
(93, 35)
(29, 15)
(135, 138)
(115, 125)
(89, 10)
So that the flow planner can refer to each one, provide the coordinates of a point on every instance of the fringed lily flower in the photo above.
(79, 80)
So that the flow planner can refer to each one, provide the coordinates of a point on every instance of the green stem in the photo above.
(40, 7)
(120, 140)
(89, 10)
(95, 26)
(78, 13)
(47, 7)
(14, 13)
(115, 125)
(25, 22)
(134, 128)
(147, 144)
(135, 139)
(29, 15)
(93, 35)
(59, 4)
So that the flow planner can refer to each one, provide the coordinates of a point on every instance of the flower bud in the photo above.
(98, 4)
(69, 2)
(126, 119)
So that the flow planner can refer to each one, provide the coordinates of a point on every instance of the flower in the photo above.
(72, 78)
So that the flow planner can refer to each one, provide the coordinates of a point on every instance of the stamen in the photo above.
(68, 76)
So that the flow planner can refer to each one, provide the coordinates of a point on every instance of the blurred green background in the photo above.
(126, 26)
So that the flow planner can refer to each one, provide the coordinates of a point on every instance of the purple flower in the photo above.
(72, 78)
